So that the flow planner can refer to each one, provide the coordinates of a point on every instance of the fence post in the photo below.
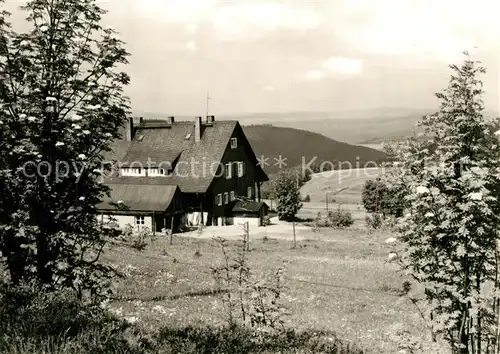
(171, 228)
(294, 238)
(247, 234)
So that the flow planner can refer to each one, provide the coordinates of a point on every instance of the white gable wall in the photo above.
(123, 220)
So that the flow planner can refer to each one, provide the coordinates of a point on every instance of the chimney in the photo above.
(197, 129)
(130, 128)
(210, 120)
(170, 120)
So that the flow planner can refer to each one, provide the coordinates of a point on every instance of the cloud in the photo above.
(343, 66)
(191, 28)
(184, 11)
(191, 46)
(437, 30)
(314, 75)
(335, 66)
(254, 20)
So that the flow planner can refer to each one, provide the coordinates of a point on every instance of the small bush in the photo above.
(208, 340)
(340, 218)
(36, 322)
(374, 221)
(306, 199)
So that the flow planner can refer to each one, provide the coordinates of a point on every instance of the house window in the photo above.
(250, 192)
(226, 198)
(231, 196)
(133, 172)
(156, 172)
(139, 220)
(234, 143)
(241, 169)
(229, 172)
(218, 200)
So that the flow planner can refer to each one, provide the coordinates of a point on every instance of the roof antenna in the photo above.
(208, 99)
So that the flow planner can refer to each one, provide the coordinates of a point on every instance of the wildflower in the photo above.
(392, 256)
(159, 309)
(86, 132)
(422, 190)
(32, 119)
(131, 319)
(22, 116)
(390, 240)
(50, 99)
(476, 196)
(59, 143)
(81, 199)
(429, 215)
(82, 156)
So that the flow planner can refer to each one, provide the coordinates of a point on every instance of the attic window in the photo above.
(234, 143)
(188, 135)
(140, 137)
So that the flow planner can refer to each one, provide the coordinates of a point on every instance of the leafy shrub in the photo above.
(306, 199)
(137, 239)
(378, 197)
(33, 320)
(248, 301)
(209, 340)
(340, 218)
(287, 195)
(374, 221)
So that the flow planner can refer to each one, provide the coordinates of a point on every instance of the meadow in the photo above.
(337, 281)
(340, 283)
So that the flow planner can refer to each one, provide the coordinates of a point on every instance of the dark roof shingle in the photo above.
(162, 144)
(139, 197)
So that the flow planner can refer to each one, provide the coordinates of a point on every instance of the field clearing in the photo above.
(342, 188)
(343, 285)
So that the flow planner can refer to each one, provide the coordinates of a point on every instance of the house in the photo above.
(205, 165)
(250, 211)
(154, 207)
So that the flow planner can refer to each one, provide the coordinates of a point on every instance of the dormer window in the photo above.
(154, 172)
(133, 172)
(234, 143)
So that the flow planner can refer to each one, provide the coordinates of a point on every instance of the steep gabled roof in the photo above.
(196, 162)
(161, 144)
(139, 197)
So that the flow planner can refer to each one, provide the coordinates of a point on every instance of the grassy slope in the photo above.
(343, 285)
(295, 145)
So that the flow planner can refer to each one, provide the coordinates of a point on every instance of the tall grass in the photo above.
(33, 322)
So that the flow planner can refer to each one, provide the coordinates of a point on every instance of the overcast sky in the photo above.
(314, 55)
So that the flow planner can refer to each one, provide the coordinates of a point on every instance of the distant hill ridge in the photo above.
(373, 126)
